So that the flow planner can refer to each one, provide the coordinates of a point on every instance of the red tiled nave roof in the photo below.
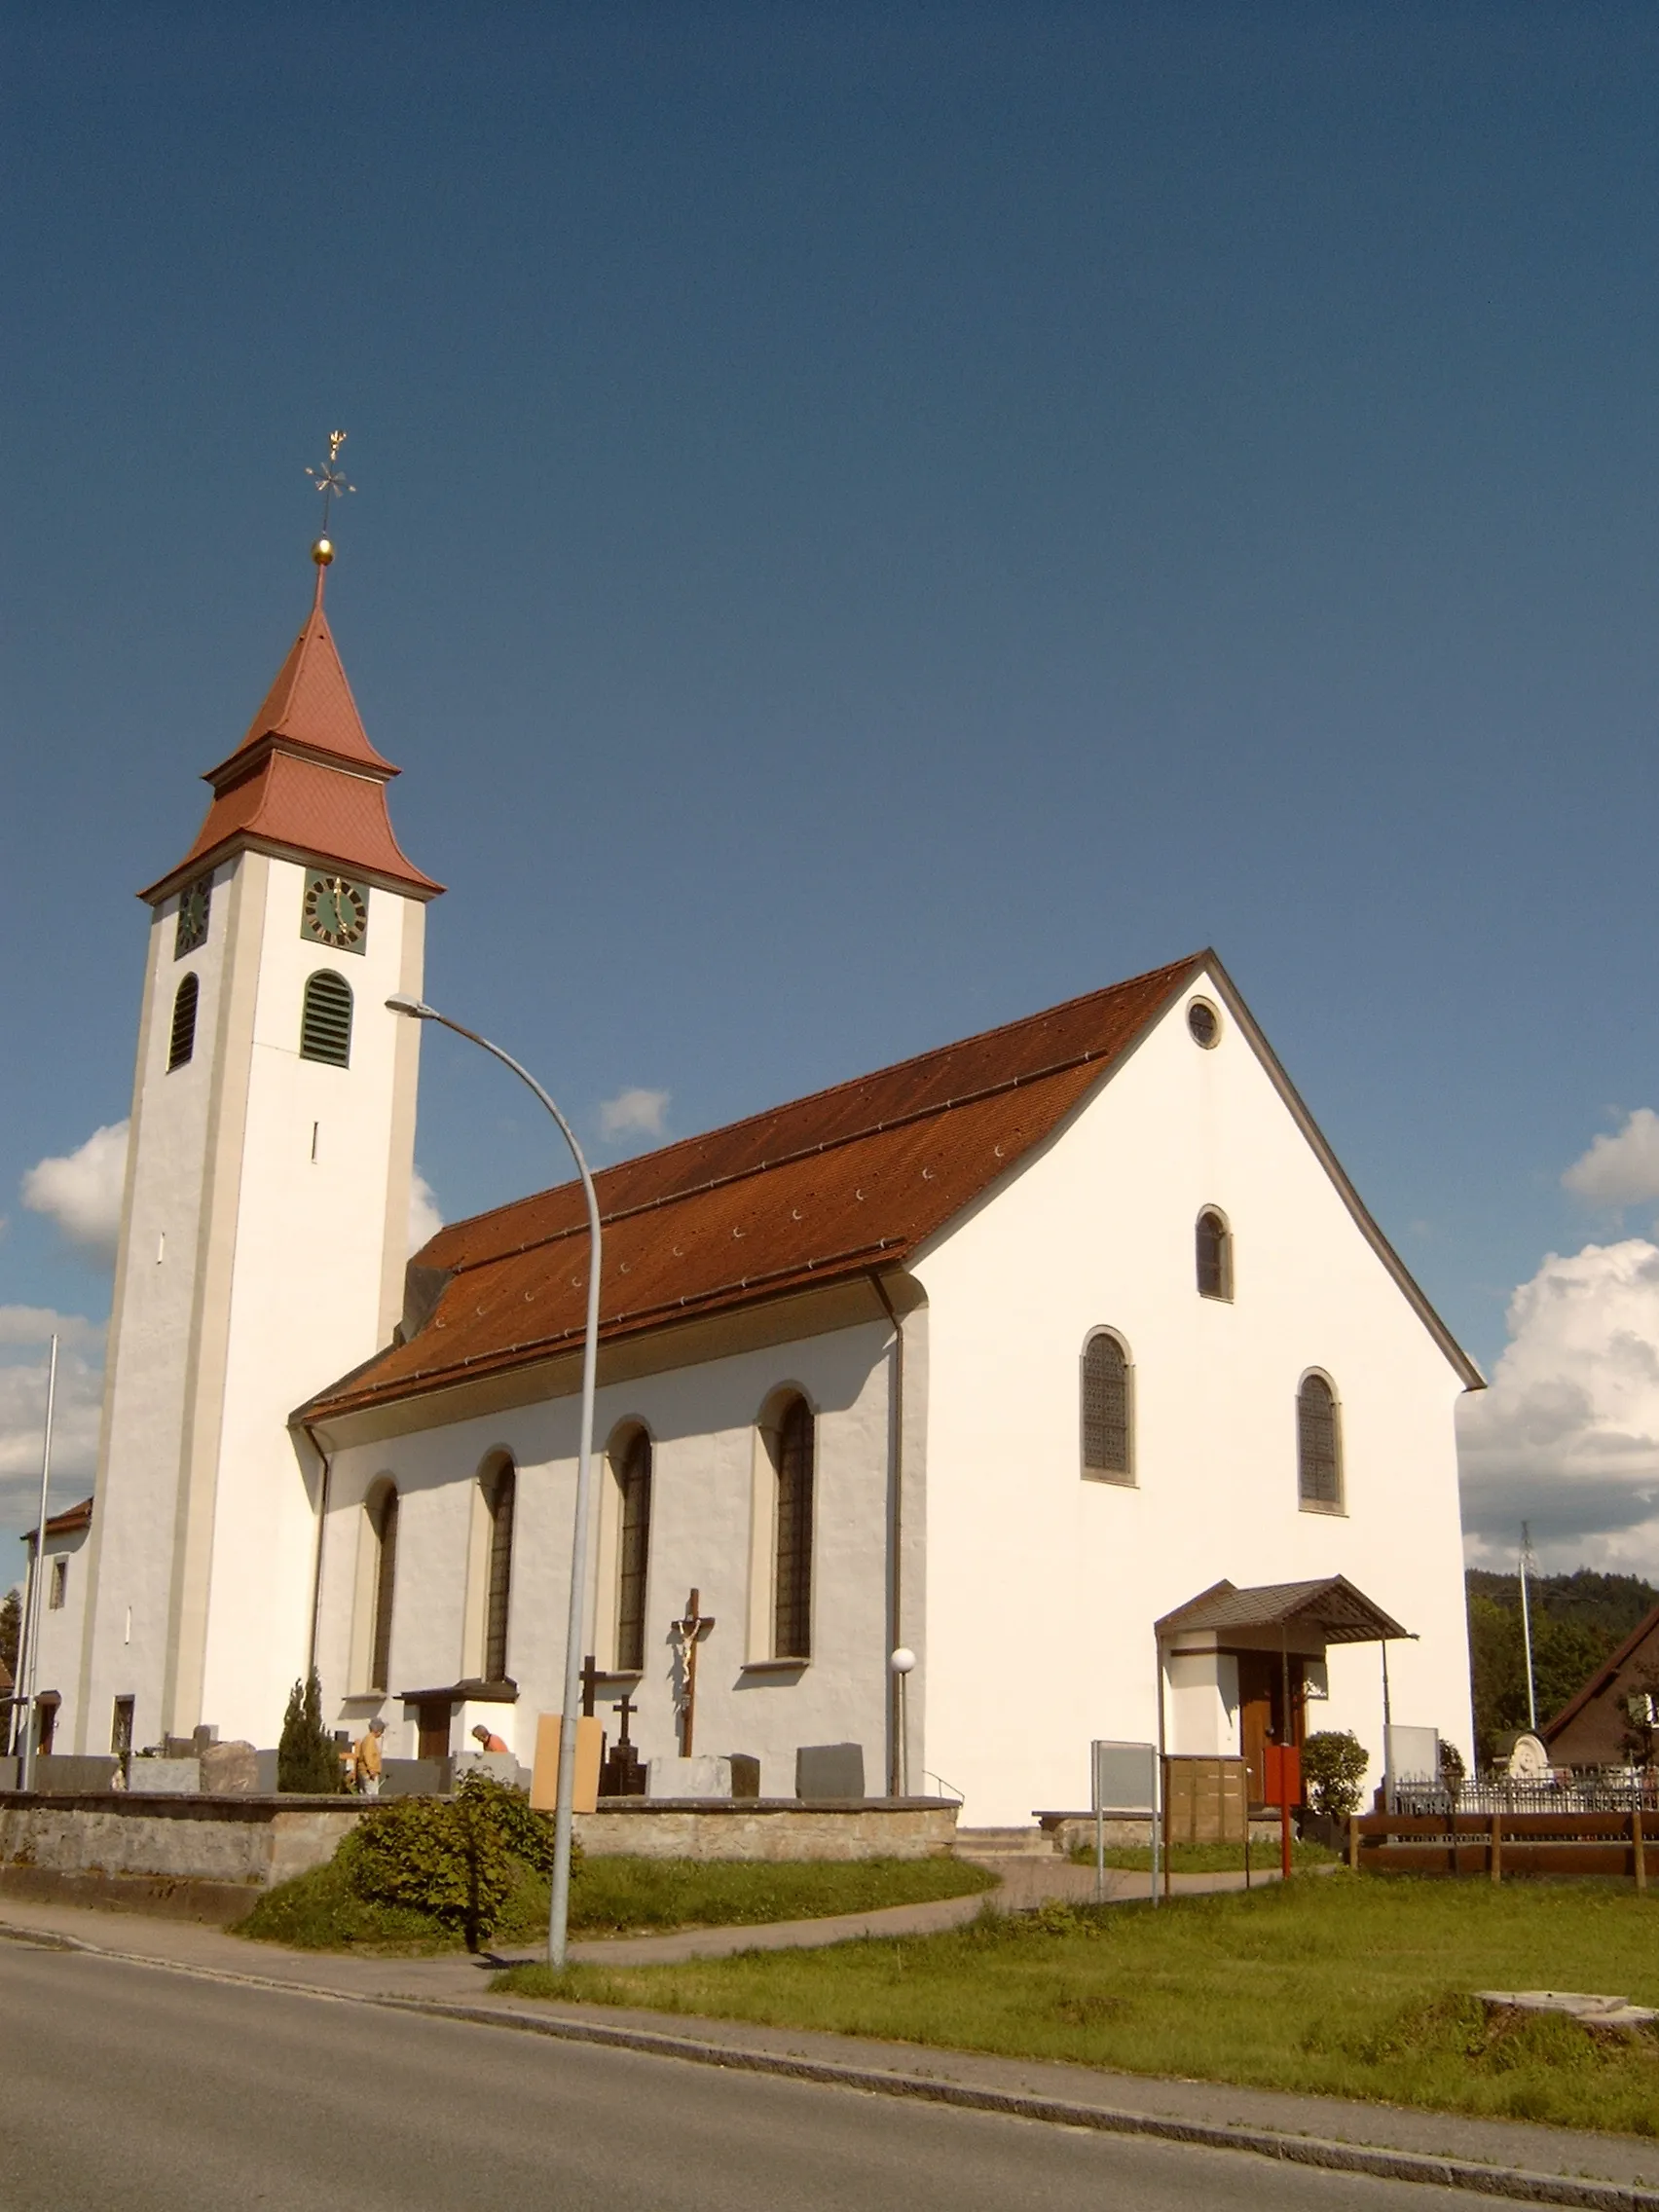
(828, 1186)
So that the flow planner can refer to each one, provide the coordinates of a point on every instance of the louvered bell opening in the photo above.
(325, 1027)
(182, 1042)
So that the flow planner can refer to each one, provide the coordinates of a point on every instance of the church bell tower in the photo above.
(264, 1222)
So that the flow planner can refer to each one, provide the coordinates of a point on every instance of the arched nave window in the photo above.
(1318, 1446)
(325, 1021)
(381, 1506)
(182, 1042)
(500, 1484)
(792, 1453)
(631, 1462)
(1214, 1253)
(1108, 1433)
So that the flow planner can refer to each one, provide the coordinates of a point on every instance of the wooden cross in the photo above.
(589, 1678)
(625, 1712)
(691, 1632)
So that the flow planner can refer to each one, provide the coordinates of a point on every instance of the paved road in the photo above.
(130, 2088)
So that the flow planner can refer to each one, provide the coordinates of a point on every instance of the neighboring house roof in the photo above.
(305, 782)
(1604, 1679)
(850, 1179)
(69, 1523)
(1332, 1607)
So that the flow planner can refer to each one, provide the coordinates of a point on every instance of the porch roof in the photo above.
(1332, 1609)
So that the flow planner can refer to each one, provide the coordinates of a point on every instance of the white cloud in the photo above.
(1621, 1169)
(81, 1191)
(22, 1414)
(635, 1113)
(424, 1219)
(1568, 1435)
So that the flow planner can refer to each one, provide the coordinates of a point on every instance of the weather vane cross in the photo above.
(330, 478)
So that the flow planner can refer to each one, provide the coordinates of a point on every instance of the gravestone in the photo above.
(830, 1770)
(416, 1778)
(9, 1773)
(164, 1778)
(63, 1774)
(623, 1774)
(745, 1775)
(701, 1775)
(266, 1765)
(230, 1770)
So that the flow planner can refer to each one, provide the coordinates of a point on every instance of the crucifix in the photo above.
(690, 1632)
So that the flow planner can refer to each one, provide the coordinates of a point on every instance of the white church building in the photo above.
(1006, 1355)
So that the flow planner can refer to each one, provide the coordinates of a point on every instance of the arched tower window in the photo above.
(1214, 1252)
(1107, 1440)
(501, 1497)
(325, 1023)
(182, 1042)
(382, 1509)
(793, 1453)
(633, 1466)
(1318, 1446)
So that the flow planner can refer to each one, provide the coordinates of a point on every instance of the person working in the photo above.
(366, 1759)
(487, 1741)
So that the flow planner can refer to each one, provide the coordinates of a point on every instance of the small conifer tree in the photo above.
(307, 1759)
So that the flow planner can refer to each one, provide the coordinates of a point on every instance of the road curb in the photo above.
(1384, 2165)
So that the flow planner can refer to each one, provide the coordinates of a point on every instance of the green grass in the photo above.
(1348, 1985)
(318, 1911)
(1208, 1857)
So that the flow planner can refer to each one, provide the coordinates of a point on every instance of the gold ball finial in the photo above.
(322, 552)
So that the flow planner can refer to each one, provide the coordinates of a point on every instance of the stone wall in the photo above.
(200, 1858)
(207, 1858)
(665, 1827)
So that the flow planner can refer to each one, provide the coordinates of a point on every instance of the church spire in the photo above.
(306, 782)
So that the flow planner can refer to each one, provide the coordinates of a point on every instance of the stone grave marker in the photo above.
(830, 1770)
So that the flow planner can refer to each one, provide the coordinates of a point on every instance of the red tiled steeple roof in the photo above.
(305, 782)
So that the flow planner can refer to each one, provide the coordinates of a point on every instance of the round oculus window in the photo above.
(1204, 1023)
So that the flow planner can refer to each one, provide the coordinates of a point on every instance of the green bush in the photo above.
(308, 1759)
(454, 1858)
(1334, 1761)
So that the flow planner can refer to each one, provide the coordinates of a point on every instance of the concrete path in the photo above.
(1493, 2158)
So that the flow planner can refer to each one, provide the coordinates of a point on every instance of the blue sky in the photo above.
(871, 521)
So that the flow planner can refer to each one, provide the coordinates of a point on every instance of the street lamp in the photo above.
(559, 1908)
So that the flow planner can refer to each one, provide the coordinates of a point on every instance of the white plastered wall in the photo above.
(1042, 1586)
(702, 1420)
(250, 1274)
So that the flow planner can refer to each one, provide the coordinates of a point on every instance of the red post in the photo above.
(1282, 1763)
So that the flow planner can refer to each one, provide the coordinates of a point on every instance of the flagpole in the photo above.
(28, 1652)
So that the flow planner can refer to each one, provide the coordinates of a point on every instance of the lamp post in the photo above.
(559, 1909)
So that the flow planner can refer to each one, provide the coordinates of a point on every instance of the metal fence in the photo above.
(1615, 1791)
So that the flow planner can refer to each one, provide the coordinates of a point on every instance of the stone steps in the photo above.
(1004, 1843)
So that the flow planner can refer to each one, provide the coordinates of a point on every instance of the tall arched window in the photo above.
(182, 1042)
(1107, 1440)
(791, 1582)
(382, 1509)
(325, 1023)
(500, 1495)
(1318, 1446)
(1214, 1243)
(633, 1549)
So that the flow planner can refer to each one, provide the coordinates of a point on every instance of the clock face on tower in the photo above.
(194, 902)
(335, 913)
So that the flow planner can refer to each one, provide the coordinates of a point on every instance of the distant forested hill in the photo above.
(1578, 1620)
